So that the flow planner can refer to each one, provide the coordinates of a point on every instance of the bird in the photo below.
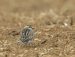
(27, 34)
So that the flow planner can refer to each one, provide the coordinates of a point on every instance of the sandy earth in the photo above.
(53, 22)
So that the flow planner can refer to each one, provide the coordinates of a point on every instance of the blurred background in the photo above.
(15, 10)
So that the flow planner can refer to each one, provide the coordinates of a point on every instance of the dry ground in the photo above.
(53, 22)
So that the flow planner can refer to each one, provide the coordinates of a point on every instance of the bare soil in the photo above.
(53, 22)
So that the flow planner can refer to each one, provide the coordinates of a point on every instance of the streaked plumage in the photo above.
(27, 34)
